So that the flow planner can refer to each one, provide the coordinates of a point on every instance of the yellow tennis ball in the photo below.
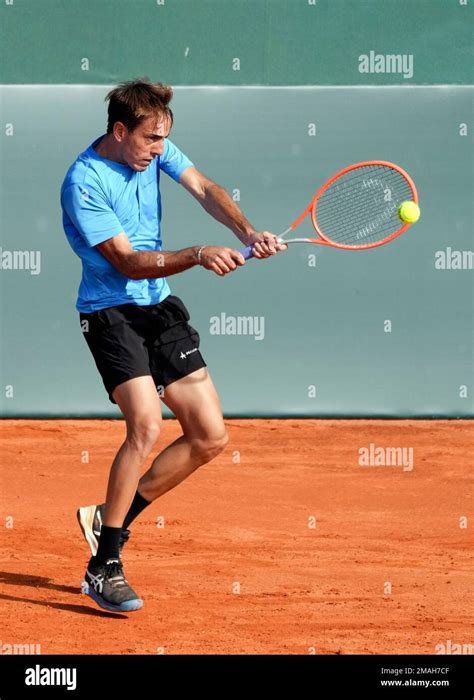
(409, 212)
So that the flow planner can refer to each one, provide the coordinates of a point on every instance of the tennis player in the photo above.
(137, 331)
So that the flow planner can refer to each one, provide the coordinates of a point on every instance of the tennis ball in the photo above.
(409, 212)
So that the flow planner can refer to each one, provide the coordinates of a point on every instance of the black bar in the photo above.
(305, 676)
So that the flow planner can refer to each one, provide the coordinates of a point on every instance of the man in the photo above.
(137, 331)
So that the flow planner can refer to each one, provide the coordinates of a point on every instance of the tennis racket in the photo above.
(357, 208)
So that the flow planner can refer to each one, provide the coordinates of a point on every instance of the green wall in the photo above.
(324, 325)
(195, 42)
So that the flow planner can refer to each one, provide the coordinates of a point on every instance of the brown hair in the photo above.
(133, 101)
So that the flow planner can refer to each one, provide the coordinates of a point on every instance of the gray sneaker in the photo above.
(108, 587)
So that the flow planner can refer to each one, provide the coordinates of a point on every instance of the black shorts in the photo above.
(130, 341)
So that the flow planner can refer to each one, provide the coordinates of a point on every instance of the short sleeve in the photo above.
(173, 162)
(90, 213)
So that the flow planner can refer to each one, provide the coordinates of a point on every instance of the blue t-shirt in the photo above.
(100, 198)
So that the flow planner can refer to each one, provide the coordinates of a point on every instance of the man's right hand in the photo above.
(221, 260)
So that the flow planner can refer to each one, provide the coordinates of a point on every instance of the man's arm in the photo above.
(215, 200)
(143, 264)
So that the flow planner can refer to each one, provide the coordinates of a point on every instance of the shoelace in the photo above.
(114, 572)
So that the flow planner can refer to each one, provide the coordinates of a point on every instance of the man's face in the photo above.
(138, 148)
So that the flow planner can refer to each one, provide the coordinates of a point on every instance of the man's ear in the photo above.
(120, 131)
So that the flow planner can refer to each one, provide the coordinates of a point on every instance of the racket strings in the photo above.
(352, 188)
(361, 206)
(360, 228)
(356, 174)
(363, 209)
(347, 189)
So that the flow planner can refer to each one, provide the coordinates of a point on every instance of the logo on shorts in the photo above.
(183, 355)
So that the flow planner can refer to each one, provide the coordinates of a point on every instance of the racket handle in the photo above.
(247, 252)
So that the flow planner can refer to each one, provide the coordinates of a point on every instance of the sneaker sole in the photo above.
(85, 517)
(127, 606)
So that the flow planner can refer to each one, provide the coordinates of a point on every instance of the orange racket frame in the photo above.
(311, 208)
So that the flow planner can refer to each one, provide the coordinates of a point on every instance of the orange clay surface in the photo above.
(291, 550)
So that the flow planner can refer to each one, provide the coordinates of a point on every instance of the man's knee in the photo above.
(143, 434)
(209, 447)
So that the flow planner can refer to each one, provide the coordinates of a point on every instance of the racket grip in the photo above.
(247, 252)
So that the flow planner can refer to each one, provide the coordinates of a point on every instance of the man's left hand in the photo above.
(265, 244)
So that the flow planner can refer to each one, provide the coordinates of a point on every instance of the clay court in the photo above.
(289, 551)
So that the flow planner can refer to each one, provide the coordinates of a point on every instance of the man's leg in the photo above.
(194, 401)
(139, 402)
(104, 580)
